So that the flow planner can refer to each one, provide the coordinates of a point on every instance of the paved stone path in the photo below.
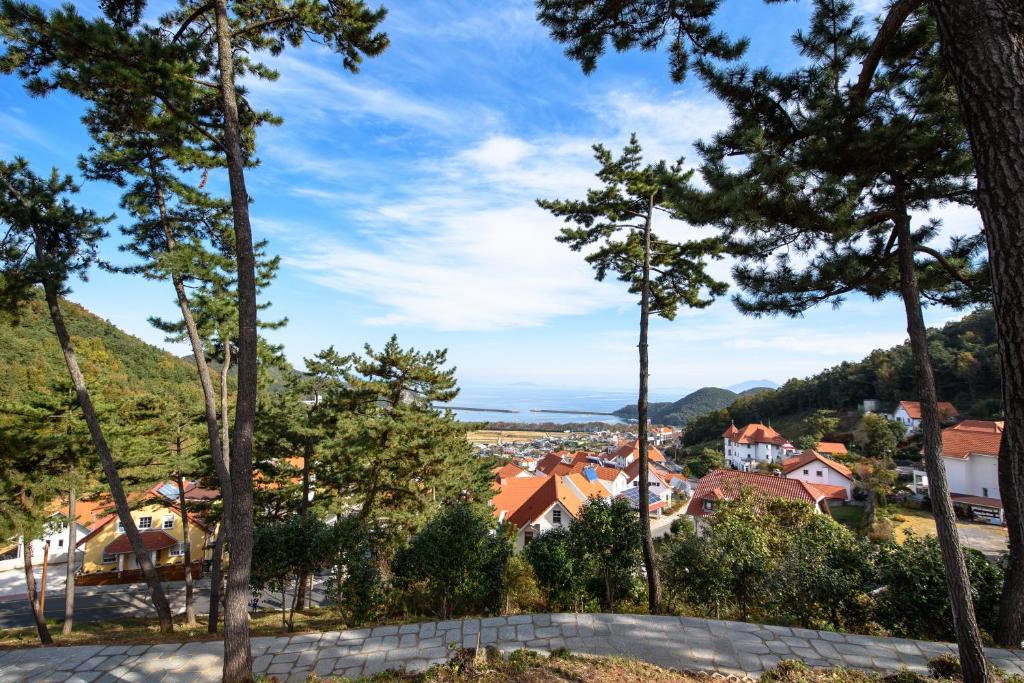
(676, 642)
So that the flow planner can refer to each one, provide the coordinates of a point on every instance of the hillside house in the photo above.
(509, 471)
(756, 443)
(56, 532)
(719, 485)
(627, 453)
(612, 479)
(828, 476)
(537, 504)
(831, 449)
(908, 413)
(970, 453)
(657, 484)
(109, 557)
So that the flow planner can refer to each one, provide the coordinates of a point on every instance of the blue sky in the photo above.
(401, 200)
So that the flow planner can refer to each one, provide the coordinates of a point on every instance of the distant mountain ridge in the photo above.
(741, 387)
(700, 402)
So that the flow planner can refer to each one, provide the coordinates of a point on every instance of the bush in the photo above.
(945, 666)
(557, 569)
(456, 563)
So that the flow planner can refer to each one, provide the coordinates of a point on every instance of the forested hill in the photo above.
(700, 402)
(31, 359)
(964, 356)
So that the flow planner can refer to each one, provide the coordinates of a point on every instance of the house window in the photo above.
(60, 542)
(177, 550)
(819, 473)
(168, 522)
(108, 558)
(145, 522)
(527, 537)
(708, 505)
(984, 493)
(556, 517)
(120, 527)
(806, 472)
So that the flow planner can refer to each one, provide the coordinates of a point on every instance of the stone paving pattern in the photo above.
(683, 643)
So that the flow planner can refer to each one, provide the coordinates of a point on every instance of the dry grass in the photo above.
(920, 522)
(491, 436)
(523, 666)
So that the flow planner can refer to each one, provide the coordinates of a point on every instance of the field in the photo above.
(493, 436)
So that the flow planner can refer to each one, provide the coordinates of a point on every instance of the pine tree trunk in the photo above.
(198, 352)
(216, 570)
(33, 596)
(69, 576)
(190, 610)
(650, 558)
(237, 653)
(965, 625)
(983, 48)
(163, 609)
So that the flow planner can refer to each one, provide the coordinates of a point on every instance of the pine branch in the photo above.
(898, 14)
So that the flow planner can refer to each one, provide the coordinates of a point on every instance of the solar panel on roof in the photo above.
(169, 491)
(590, 473)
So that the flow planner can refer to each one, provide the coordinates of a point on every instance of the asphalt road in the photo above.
(101, 603)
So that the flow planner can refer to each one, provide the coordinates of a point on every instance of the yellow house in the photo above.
(107, 549)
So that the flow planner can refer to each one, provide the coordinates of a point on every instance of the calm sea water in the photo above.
(526, 399)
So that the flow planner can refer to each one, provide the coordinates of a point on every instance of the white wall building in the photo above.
(908, 414)
(756, 443)
(970, 453)
(828, 475)
(56, 534)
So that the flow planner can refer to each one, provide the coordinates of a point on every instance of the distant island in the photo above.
(700, 402)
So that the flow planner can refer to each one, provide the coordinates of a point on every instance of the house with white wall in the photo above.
(627, 453)
(908, 414)
(970, 453)
(612, 479)
(754, 444)
(656, 483)
(533, 505)
(56, 534)
(830, 477)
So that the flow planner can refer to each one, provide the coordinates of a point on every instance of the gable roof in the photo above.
(153, 539)
(508, 471)
(980, 437)
(755, 432)
(602, 472)
(588, 488)
(653, 454)
(809, 456)
(831, 448)
(632, 471)
(727, 484)
(829, 491)
(913, 408)
(158, 497)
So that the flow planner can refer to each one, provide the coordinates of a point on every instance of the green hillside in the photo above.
(31, 359)
(964, 356)
(680, 412)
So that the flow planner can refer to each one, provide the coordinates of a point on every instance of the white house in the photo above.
(756, 443)
(828, 476)
(656, 484)
(537, 504)
(970, 453)
(908, 413)
(629, 452)
(56, 534)
(612, 479)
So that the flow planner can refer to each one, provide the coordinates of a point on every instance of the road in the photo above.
(101, 603)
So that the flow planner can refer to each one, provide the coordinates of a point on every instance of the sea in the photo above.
(528, 403)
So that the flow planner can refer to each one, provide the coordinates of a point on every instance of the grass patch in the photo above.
(139, 631)
(851, 516)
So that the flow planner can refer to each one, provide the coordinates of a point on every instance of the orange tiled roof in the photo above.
(632, 471)
(810, 456)
(832, 448)
(508, 471)
(653, 454)
(829, 491)
(972, 436)
(606, 473)
(151, 540)
(720, 484)
(754, 433)
(588, 488)
(913, 408)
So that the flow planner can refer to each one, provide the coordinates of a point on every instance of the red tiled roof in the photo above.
(831, 448)
(810, 456)
(972, 436)
(726, 484)
(151, 540)
(913, 408)
(605, 473)
(653, 454)
(754, 433)
(977, 500)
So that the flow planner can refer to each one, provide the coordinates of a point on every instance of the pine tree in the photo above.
(618, 219)
(392, 453)
(49, 241)
(983, 50)
(823, 207)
